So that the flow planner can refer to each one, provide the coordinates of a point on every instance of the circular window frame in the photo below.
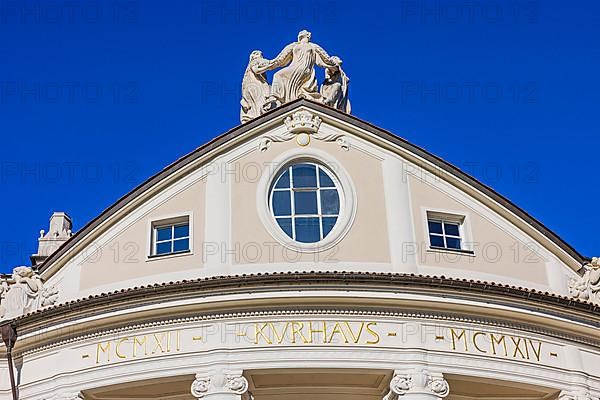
(344, 186)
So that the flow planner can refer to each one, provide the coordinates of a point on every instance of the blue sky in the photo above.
(97, 96)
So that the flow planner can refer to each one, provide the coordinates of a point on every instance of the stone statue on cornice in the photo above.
(255, 88)
(296, 79)
(24, 292)
(587, 287)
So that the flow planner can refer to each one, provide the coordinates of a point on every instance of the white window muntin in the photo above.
(346, 192)
(172, 221)
(317, 189)
(444, 234)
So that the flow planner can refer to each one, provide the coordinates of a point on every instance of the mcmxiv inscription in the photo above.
(496, 344)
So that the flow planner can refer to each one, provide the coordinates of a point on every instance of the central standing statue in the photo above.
(296, 79)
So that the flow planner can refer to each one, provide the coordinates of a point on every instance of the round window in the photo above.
(305, 202)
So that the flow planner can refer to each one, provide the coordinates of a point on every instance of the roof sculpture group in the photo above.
(296, 79)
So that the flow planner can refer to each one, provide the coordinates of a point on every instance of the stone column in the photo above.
(219, 386)
(417, 385)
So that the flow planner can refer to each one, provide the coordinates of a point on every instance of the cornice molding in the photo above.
(312, 312)
(365, 282)
(357, 281)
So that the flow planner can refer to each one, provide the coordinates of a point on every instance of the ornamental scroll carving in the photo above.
(24, 292)
(587, 287)
(419, 381)
(220, 384)
(296, 79)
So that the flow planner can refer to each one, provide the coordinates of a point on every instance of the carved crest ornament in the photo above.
(303, 125)
(295, 79)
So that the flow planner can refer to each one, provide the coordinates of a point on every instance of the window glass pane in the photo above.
(435, 227)
(282, 203)
(325, 180)
(182, 231)
(328, 223)
(163, 233)
(304, 176)
(436, 241)
(284, 180)
(452, 243)
(307, 230)
(302, 217)
(305, 202)
(163, 248)
(286, 225)
(181, 245)
(451, 229)
(330, 202)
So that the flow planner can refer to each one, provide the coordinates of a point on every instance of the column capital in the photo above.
(221, 384)
(417, 384)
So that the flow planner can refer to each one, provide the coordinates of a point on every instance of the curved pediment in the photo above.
(392, 198)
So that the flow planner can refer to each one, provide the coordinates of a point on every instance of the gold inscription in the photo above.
(324, 332)
(315, 332)
(138, 346)
(503, 345)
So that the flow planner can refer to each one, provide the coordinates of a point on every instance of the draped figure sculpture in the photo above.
(21, 297)
(255, 88)
(296, 79)
(587, 287)
(24, 292)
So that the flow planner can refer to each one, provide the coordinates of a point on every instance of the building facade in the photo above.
(305, 254)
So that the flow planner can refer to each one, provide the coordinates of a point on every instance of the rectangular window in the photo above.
(445, 233)
(171, 237)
